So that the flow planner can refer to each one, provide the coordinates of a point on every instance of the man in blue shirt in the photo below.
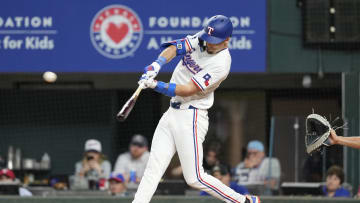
(334, 179)
(222, 173)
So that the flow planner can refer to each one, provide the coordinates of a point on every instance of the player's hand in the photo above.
(152, 70)
(147, 82)
(142, 80)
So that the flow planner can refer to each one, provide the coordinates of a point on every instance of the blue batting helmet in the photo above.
(216, 30)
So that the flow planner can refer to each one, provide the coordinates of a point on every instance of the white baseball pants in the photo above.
(182, 131)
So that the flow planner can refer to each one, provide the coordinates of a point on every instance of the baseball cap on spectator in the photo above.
(92, 145)
(118, 177)
(255, 145)
(8, 173)
(139, 140)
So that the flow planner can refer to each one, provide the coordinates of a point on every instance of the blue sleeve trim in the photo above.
(167, 89)
(179, 44)
(189, 43)
(197, 83)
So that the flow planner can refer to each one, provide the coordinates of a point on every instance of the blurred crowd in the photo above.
(256, 174)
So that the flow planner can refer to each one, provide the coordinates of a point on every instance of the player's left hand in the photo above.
(152, 70)
(147, 82)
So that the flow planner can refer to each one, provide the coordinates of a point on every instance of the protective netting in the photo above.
(58, 122)
(331, 23)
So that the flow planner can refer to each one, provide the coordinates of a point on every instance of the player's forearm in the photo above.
(353, 142)
(183, 91)
(186, 90)
(165, 56)
(169, 53)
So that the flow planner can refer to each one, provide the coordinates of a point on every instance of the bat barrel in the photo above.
(126, 109)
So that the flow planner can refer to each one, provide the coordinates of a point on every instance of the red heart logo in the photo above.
(117, 32)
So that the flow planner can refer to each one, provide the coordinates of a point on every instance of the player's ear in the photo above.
(227, 41)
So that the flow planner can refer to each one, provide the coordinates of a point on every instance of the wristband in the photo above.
(161, 60)
(167, 89)
(156, 65)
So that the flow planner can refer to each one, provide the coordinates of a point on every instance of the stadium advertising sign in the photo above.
(119, 36)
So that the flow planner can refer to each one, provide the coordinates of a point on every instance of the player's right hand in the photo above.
(147, 82)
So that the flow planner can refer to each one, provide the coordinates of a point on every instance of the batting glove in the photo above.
(152, 70)
(147, 82)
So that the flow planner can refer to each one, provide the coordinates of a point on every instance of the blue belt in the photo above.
(176, 105)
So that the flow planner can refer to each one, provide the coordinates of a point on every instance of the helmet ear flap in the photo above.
(202, 44)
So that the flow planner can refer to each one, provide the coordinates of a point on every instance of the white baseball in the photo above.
(306, 82)
(49, 76)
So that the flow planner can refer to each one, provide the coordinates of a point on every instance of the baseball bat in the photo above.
(128, 106)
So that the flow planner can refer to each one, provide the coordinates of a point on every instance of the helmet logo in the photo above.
(210, 30)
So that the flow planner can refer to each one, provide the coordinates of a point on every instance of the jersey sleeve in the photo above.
(189, 42)
(193, 41)
(206, 79)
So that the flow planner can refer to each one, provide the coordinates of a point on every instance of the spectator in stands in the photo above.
(222, 172)
(312, 168)
(357, 196)
(8, 176)
(334, 180)
(93, 170)
(210, 160)
(211, 157)
(257, 169)
(132, 164)
(117, 185)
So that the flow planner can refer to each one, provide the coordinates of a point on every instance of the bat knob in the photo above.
(120, 117)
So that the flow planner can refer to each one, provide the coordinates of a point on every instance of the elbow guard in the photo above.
(179, 44)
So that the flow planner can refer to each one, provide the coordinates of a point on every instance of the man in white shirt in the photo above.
(132, 163)
(257, 169)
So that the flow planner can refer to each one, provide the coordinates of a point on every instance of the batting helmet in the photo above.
(216, 30)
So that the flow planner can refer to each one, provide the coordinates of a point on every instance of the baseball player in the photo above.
(204, 65)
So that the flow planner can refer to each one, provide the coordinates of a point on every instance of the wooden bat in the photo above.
(128, 106)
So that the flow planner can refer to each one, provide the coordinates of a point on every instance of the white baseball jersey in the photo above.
(206, 70)
(182, 129)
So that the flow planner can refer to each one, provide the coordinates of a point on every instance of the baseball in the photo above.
(306, 82)
(49, 76)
